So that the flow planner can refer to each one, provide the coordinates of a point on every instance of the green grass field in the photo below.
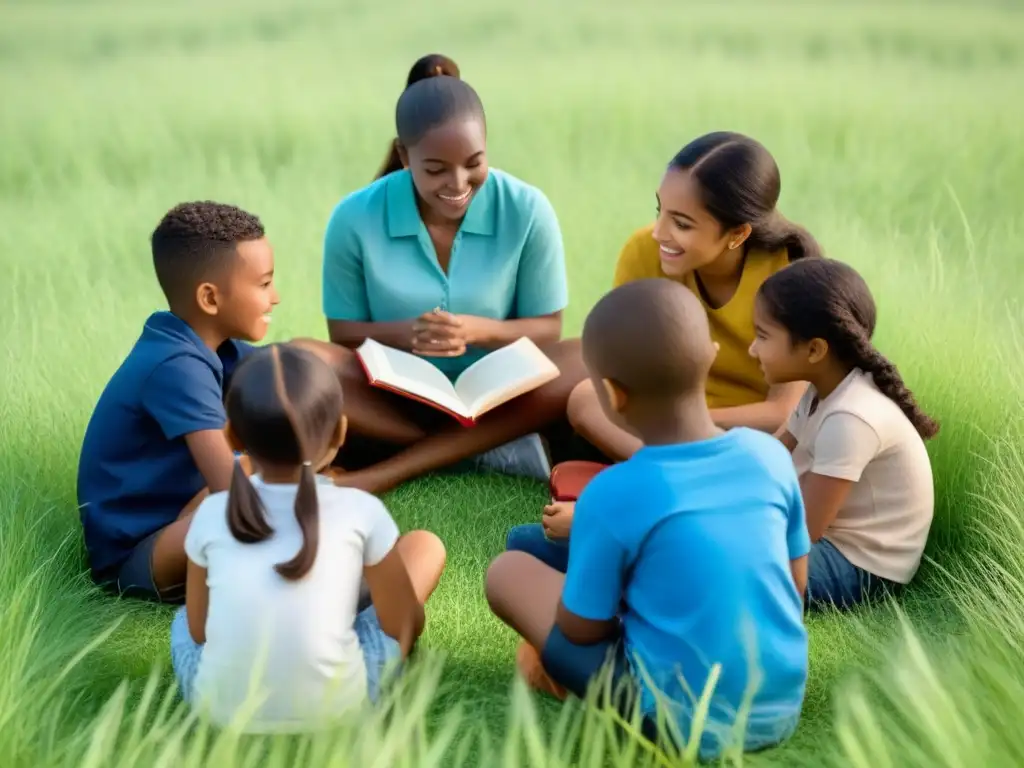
(899, 142)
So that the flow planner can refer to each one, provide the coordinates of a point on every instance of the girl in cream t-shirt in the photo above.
(857, 436)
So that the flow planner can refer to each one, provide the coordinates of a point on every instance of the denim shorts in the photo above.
(379, 651)
(134, 577)
(532, 540)
(833, 581)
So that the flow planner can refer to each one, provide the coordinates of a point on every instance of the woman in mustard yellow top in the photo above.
(719, 233)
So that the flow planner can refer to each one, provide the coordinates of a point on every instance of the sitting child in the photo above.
(272, 616)
(857, 436)
(155, 443)
(675, 565)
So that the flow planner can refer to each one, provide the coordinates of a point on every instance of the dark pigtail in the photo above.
(247, 518)
(827, 299)
(431, 65)
(285, 407)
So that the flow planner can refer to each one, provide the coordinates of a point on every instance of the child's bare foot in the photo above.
(530, 667)
(368, 480)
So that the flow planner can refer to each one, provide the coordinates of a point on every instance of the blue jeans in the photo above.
(833, 581)
(379, 650)
(575, 666)
(532, 540)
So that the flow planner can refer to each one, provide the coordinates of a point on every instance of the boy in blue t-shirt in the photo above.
(690, 554)
(155, 445)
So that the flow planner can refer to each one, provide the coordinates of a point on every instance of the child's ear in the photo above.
(232, 437)
(817, 350)
(403, 153)
(340, 432)
(208, 298)
(616, 395)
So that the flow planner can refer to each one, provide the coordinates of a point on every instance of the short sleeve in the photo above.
(632, 263)
(595, 579)
(798, 538)
(198, 536)
(381, 533)
(843, 446)
(344, 283)
(184, 395)
(542, 286)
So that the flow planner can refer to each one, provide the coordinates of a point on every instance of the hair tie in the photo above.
(307, 463)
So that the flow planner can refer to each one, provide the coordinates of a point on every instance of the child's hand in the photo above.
(558, 519)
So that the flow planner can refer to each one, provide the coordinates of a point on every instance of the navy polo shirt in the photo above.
(135, 473)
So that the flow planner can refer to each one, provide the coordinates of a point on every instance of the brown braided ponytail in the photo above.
(827, 299)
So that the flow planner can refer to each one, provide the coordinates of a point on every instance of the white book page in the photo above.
(412, 374)
(503, 375)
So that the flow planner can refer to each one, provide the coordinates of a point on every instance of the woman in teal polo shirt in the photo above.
(447, 259)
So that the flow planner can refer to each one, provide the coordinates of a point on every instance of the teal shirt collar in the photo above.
(403, 217)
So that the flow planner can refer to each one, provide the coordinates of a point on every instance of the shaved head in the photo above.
(651, 338)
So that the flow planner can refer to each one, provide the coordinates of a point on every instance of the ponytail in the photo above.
(392, 161)
(889, 382)
(775, 232)
(431, 65)
(307, 513)
(247, 518)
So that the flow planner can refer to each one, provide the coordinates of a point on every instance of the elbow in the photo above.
(344, 335)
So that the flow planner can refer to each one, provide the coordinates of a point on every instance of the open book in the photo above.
(491, 381)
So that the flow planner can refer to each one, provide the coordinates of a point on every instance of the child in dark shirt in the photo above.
(155, 445)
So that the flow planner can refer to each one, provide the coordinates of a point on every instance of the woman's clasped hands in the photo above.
(441, 334)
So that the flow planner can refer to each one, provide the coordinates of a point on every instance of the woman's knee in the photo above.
(336, 356)
(582, 405)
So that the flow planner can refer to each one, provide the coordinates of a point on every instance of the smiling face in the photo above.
(245, 297)
(689, 237)
(448, 165)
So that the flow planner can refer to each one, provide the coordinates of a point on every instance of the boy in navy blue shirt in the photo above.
(155, 445)
(690, 554)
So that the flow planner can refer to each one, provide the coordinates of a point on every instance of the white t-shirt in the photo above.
(859, 434)
(290, 643)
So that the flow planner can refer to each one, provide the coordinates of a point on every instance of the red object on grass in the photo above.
(569, 478)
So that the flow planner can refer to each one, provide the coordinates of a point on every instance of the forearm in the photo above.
(493, 334)
(349, 334)
(766, 416)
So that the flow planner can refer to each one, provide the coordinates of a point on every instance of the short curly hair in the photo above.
(195, 241)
